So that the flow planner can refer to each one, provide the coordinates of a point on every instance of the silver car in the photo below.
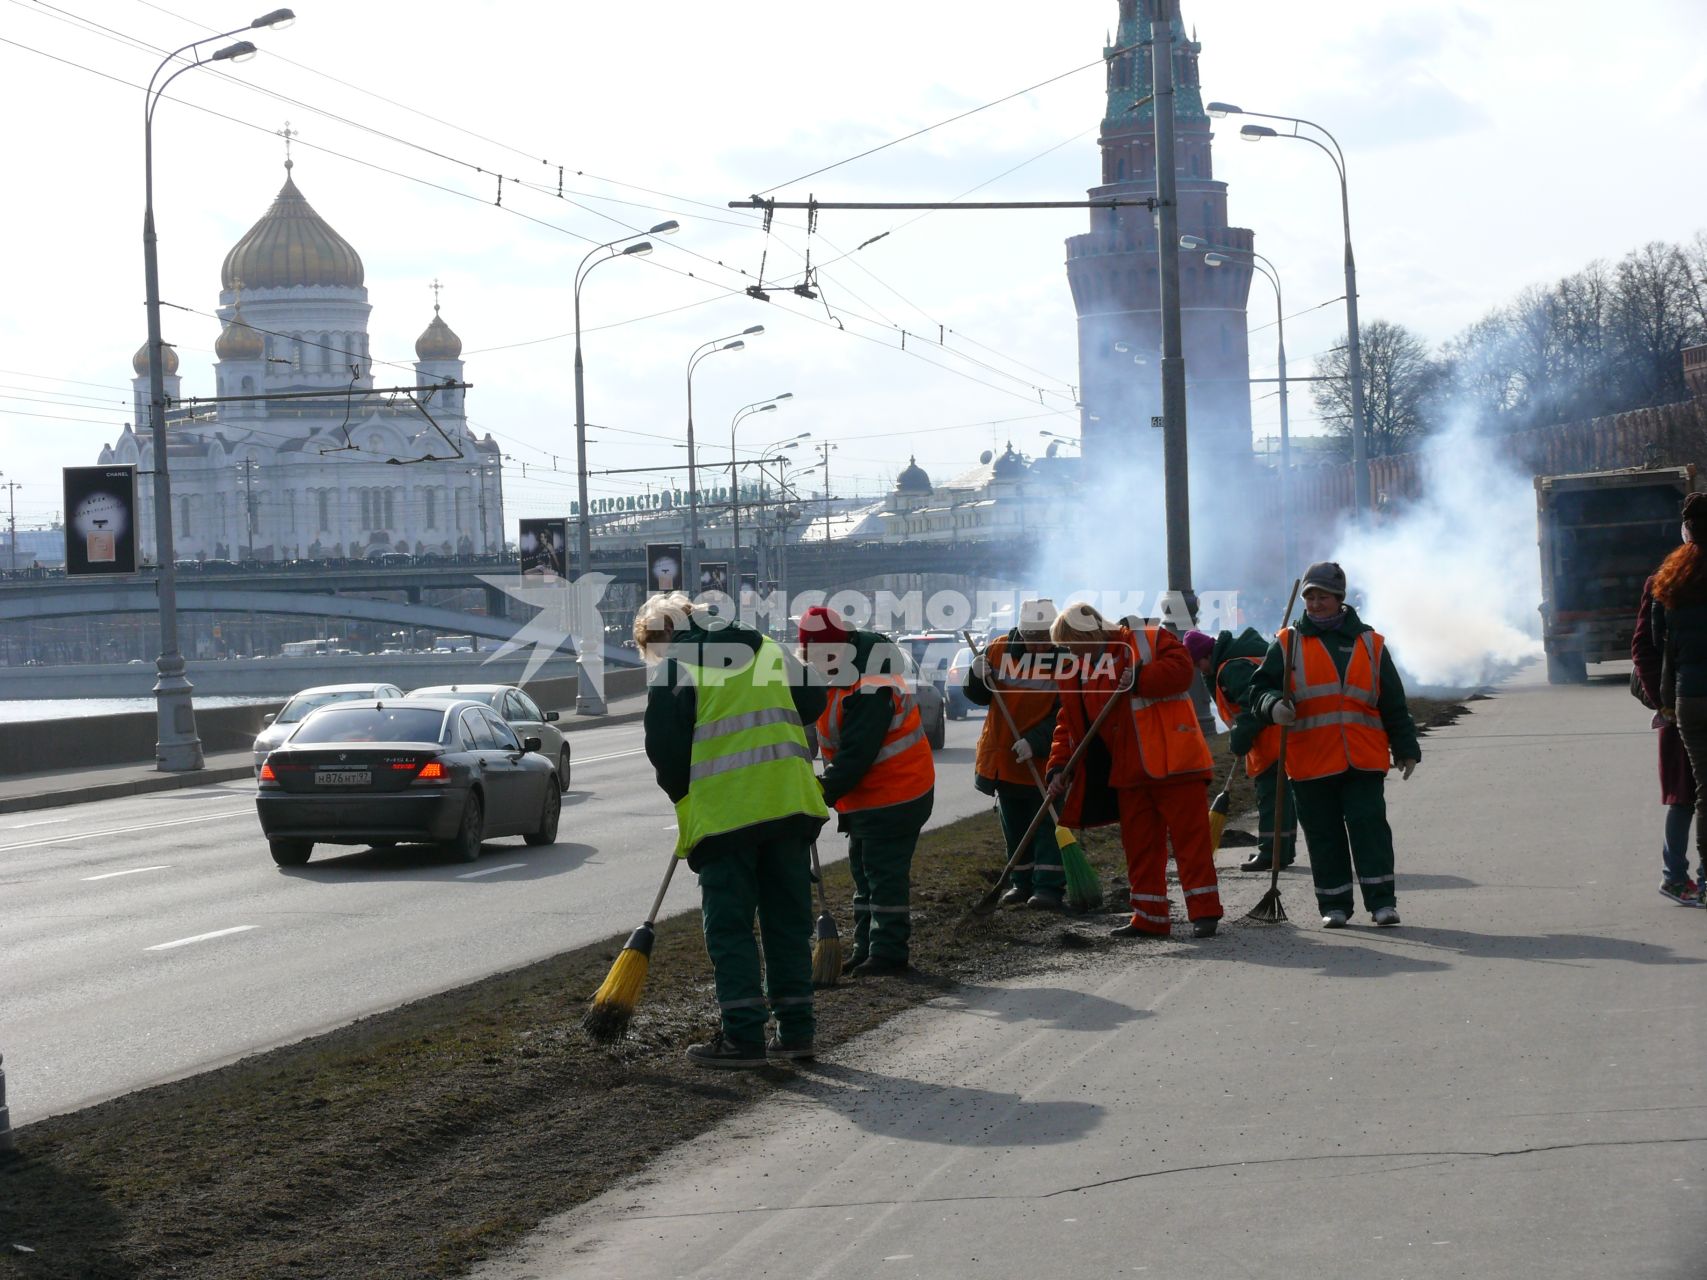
(283, 724)
(518, 711)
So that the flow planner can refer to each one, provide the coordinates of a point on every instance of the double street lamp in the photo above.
(1221, 256)
(728, 342)
(588, 700)
(744, 412)
(177, 747)
(1354, 348)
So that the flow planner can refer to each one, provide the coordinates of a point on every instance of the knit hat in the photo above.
(1695, 513)
(1327, 576)
(1198, 644)
(819, 625)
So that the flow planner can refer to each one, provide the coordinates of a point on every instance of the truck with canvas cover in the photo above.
(1601, 534)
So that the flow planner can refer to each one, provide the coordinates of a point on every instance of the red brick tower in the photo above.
(1113, 272)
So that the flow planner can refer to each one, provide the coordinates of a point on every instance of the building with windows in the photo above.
(271, 474)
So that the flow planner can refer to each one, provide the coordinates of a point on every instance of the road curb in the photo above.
(74, 794)
(599, 722)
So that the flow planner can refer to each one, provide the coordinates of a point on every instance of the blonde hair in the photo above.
(658, 619)
(1081, 622)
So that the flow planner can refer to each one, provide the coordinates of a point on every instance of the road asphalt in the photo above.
(1506, 1085)
(148, 937)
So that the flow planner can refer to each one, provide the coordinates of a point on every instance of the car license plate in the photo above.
(343, 777)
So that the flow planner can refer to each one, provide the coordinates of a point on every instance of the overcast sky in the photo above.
(1490, 147)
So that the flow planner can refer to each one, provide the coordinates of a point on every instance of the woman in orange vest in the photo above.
(1332, 680)
(1019, 669)
(1148, 768)
(879, 776)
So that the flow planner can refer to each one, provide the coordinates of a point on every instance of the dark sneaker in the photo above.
(1386, 917)
(1333, 919)
(1683, 892)
(1014, 897)
(1047, 900)
(777, 1047)
(1257, 862)
(720, 1053)
(882, 967)
(1205, 928)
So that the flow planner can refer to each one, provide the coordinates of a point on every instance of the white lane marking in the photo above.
(491, 871)
(615, 755)
(108, 875)
(119, 831)
(200, 937)
(45, 822)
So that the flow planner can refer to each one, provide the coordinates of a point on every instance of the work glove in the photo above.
(1405, 768)
(1057, 784)
(1283, 712)
(1023, 751)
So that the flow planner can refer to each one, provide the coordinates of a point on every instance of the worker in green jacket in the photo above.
(878, 774)
(725, 716)
(1332, 680)
(1228, 662)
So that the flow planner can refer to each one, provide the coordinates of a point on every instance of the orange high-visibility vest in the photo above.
(1170, 741)
(1339, 722)
(903, 769)
(1028, 692)
(1266, 749)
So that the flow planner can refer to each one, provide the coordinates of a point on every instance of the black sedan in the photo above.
(440, 770)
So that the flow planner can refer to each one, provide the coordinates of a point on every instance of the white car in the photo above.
(518, 711)
(283, 724)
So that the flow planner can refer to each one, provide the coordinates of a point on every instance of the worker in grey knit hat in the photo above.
(1331, 680)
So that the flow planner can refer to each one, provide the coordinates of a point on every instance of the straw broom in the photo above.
(1269, 908)
(826, 942)
(1219, 807)
(607, 1017)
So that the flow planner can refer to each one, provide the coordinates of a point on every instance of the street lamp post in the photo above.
(588, 700)
(1220, 256)
(1354, 345)
(746, 411)
(177, 747)
(728, 342)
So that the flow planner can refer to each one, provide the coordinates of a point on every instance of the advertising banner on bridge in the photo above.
(100, 520)
(714, 576)
(749, 586)
(544, 547)
(664, 566)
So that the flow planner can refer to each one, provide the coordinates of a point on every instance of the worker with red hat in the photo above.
(1228, 661)
(879, 777)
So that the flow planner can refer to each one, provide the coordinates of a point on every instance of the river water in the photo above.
(25, 711)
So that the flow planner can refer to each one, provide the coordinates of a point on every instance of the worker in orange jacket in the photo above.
(1148, 768)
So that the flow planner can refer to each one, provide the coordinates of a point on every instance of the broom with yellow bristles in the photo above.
(1221, 806)
(607, 1017)
(826, 942)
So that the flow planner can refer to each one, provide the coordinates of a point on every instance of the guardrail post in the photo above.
(6, 1141)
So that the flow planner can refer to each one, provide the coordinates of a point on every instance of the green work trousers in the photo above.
(1344, 817)
(772, 879)
(1040, 866)
(882, 868)
(1265, 786)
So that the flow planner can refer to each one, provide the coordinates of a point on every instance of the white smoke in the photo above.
(1454, 580)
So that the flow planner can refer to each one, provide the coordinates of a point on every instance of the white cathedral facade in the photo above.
(281, 478)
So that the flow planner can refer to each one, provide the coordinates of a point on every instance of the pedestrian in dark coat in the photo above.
(1677, 779)
(1678, 621)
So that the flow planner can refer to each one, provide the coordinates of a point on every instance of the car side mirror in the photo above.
(530, 744)
(269, 717)
(551, 715)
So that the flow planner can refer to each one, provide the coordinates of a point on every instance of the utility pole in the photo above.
(1176, 487)
(247, 467)
(825, 449)
(12, 487)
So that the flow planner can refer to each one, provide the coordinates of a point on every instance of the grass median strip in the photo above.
(413, 1142)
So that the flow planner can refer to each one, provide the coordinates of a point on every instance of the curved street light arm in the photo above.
(1295, 121)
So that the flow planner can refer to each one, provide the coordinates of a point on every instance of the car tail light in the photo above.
(267, 774)
(432, 771)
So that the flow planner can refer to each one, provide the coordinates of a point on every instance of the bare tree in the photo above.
(1400, 382)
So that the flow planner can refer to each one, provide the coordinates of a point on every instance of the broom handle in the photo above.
(818, 874)
(1280, 758)
(1072, 763)
(664, 888)
(1013, 728)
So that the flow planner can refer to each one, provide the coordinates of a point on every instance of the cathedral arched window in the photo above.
(390, 509)
(430, 499)
(1120, 169)
(1194, 164)
(184, 527)
(323, 500)
(248, 386)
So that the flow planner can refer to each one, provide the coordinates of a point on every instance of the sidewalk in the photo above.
(23, 792)
(1506, 1085)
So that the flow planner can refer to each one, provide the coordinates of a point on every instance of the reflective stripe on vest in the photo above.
(1166, 727)
(750, 762)
(902, 769)
(1339, 720)
(1265, 750)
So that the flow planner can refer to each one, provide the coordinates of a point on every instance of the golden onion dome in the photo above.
(290, 246)
(437, 341)
(139, 361)
(238, 340)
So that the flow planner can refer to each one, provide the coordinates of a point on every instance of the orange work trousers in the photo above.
(1150, 817)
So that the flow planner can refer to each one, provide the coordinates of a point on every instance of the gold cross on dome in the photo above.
(436, 286)
(287, 133)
